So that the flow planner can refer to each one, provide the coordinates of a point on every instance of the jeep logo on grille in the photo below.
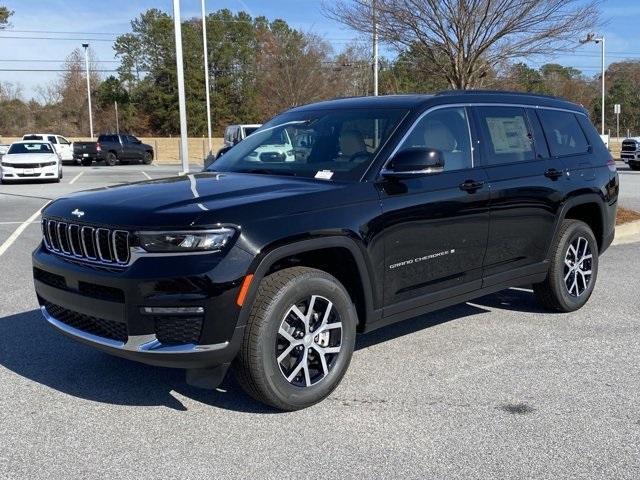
(77, 213)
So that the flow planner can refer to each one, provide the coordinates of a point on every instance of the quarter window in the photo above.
(447, 130)
(507, 135)
(563, 132)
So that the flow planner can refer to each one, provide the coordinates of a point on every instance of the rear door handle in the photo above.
(553, 173)
(471, 186)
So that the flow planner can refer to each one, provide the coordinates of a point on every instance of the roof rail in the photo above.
(498, 92)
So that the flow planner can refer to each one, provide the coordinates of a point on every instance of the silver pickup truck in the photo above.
(630, 152)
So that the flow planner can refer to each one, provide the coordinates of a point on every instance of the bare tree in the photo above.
(293, 70)
(465, 40)
(5, 13)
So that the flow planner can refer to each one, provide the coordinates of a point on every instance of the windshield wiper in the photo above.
(268, 171)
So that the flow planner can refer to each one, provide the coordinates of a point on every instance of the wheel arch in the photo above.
(310, 252)
(588, 209)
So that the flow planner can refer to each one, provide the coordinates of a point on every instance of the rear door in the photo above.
(435, 226)
(527, 190)
(64, 148)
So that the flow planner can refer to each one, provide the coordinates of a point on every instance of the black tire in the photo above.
(257, 368)
(86, 162)
(147, 158)
(111, 159)
(553, 293)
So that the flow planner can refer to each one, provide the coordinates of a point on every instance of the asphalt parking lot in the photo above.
(494, 388)
(630, 187)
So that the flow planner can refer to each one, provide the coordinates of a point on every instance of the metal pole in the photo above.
(184, 148)
(375, 49)
(602, 119)
(86, 64)
(117, 121)
(618, 126)
(206, 72)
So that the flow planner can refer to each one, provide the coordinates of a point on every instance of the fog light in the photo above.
(172, 310)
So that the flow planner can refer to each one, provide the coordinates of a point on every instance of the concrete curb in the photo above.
(627, 233)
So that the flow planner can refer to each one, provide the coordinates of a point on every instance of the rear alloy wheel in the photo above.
(573, 268)
(111, 159)
(298, 340)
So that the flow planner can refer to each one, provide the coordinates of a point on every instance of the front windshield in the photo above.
(30, 148)
(325, 144)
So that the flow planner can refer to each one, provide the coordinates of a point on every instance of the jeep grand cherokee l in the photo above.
(405, 204)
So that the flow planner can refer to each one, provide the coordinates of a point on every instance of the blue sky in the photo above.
(107, 18)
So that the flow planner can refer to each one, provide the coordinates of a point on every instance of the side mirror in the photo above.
(414, 162)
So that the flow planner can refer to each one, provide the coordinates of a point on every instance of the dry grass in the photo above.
(625, 216)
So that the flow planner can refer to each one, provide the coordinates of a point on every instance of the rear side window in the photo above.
(32, 137)
(563, 132)
(508, 138)
(52, 139)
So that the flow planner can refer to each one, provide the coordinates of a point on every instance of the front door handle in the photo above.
(553, 173)
(471, 186)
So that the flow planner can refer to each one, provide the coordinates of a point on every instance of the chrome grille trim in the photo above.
(103, 257)
(115, 244)
(94, 245)
(83, 237)
(61, 230)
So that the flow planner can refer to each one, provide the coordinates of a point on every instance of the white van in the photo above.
(236, 133)
(63, 147)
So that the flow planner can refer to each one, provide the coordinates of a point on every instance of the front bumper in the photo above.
(103, 308)
(15, 173)
(626, 157)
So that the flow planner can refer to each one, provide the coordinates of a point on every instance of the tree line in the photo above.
(260, 67)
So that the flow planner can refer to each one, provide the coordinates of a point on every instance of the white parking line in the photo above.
(14, 236)
(146, 175)
(14, 223)
(73, 180)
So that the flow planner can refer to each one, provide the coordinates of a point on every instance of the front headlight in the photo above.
(191, 241)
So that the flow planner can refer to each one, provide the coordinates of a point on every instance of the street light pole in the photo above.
(592, 38)
(86, 64)
(182, 106)
(602, 118)
(206, 72)
(376, 59)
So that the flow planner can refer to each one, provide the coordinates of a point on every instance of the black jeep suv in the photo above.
(272, 260)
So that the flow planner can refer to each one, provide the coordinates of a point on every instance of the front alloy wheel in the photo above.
(298, 340)
(309, 341)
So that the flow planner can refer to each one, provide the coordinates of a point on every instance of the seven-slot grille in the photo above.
(85, 242)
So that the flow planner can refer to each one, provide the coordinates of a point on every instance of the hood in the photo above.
(28, 158)
(199, 199)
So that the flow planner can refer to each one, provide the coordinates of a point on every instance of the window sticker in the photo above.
(509, 134)
(324, 174)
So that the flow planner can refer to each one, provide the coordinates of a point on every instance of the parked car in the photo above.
(113, 149)
(234, 134)
(63, 147)
(31, 160)
(405, 204)
(630, 152)
(3, 149)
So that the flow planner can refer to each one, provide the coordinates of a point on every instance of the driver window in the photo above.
(447, 130)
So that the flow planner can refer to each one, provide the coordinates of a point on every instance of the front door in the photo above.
(435, 225)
